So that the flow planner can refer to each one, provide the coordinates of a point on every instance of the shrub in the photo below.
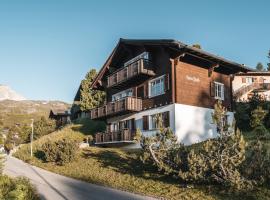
(257, 117)
(17, 189)
(60, 152)
(257, 164)
(261, 132)
(49, 149)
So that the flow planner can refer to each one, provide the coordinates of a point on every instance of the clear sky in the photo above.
(46, 47)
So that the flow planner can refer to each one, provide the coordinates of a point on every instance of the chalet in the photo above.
(245, 85)
(76, 111)
(143, 78)
(62, 117)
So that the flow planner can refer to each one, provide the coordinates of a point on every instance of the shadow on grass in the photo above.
(89, 127)
(128, 164)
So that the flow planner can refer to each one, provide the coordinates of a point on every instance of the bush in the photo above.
(60, 152)
(261, 132)
(257, 164)
(17, 189)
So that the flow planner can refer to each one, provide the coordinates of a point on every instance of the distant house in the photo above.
(245, 85)
(62, 117)
(143, 78)
(76, 111)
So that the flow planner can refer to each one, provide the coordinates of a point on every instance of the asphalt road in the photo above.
(52, 186)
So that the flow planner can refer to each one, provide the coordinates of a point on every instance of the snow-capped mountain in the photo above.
(6, 93)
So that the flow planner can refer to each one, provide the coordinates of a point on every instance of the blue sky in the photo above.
(46, 47)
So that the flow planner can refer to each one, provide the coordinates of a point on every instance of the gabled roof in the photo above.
(254, 73)
(175, 45)
(59, 112)
(78, 94)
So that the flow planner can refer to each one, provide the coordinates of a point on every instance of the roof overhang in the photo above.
(175, 45)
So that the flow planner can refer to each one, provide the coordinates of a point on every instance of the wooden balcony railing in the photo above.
(124, 135)
(128, 104)
(248, 88)
(141, 66)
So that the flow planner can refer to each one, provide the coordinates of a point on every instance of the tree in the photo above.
(198, 46)
(268, 64)
(260, 66)
(215, 161)
(257, 117)
(43, 127)
(90, 98)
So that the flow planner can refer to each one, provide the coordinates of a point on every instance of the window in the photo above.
(219, 91)
(249, 80)
(121, 95)
(156, 87)
(164, 117)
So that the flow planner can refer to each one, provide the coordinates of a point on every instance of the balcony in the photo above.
(124, 136)
(122, 106)
(142, 67)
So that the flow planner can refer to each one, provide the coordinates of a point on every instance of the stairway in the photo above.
(246, 89)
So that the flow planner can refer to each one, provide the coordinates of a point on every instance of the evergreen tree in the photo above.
(257, 117)
(260, 66)
(90, 98)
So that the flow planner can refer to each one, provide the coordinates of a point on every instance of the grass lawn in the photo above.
(123, 170)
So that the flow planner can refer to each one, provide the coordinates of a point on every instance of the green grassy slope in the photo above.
(122, 169)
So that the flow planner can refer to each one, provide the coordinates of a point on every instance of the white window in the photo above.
(249, 80)
(219, 91)
(121, 95)
(153, 122)
(156, 87)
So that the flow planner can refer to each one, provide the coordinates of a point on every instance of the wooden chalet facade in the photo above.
(62, 117)
(143, 78)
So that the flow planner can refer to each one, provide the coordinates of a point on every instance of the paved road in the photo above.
(52, 186)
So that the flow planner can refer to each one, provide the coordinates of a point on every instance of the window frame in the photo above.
(121, 94)
(162, 86)
(222, 94)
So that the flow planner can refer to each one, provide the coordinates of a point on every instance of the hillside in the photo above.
(13, 112)
(122, 169)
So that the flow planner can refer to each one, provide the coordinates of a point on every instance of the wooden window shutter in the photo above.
(140, 92)
(146, 90)
(166, 119)
(212, 89)
(167, 82)
(145, 122)
(133, 124)
(243, 80)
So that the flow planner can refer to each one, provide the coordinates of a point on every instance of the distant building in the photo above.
(62, 117)
(247, 84)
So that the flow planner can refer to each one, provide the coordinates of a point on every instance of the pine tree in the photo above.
(90, 98)
(260, 66)
(257, 117)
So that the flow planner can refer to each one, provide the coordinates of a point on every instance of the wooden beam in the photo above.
(212, 68)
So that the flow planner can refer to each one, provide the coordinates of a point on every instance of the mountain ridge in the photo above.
(7, 93)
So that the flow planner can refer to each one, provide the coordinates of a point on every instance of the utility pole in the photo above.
(32, 135)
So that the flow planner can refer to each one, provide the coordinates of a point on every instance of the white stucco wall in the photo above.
(194, 124)
(191, 124)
